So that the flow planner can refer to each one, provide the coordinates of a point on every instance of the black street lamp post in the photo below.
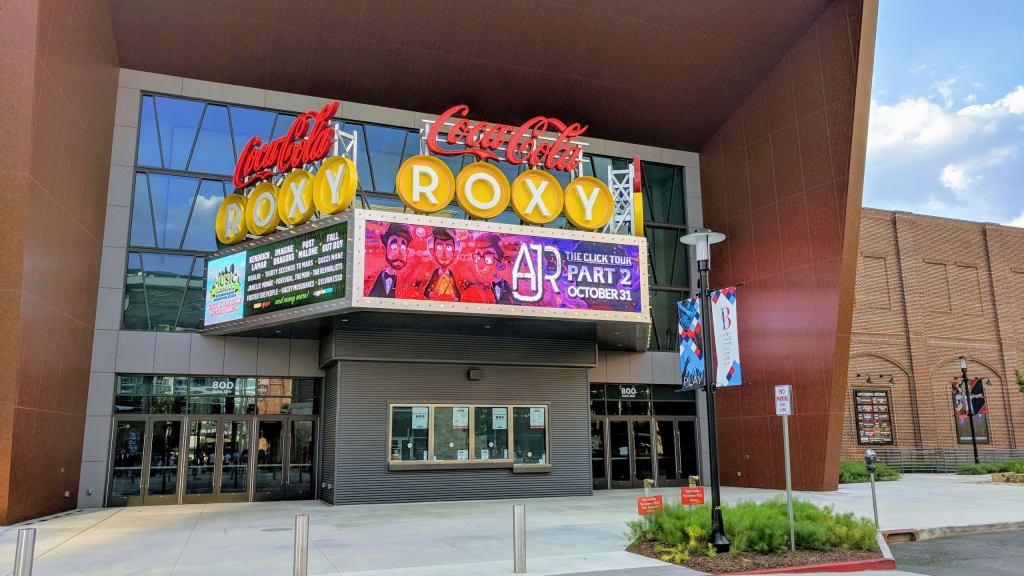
(702, 239)
(970, 405)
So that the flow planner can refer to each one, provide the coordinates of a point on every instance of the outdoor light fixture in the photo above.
(702, 239)
(970, 405)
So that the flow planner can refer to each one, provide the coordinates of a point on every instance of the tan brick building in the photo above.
(929, 290)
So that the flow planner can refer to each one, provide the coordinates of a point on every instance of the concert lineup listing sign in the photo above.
(962, 415)
(308, 268)
(874, 421)
(422, 262)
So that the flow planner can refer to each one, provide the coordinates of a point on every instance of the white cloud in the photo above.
(1012, 103)
(970, 98)
(915, 122)
(1018, 221)
(960, 177)
(945, 90)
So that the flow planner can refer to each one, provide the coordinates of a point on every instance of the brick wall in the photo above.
(929, 290)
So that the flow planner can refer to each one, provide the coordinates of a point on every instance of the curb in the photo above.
(886, 562)
(912, 535)
(851, 566)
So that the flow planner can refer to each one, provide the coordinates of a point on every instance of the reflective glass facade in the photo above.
(186, 154)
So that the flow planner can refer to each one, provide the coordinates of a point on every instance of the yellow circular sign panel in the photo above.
(261, 215)
(425, 184)
(231, 228)
(334, 186)
(482, 190)
(295, 200)
(537, 197)
(588, 203)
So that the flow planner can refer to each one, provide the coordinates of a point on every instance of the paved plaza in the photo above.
(564, 535)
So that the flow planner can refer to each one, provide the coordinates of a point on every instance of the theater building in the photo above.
(364, 262)
(930, 290)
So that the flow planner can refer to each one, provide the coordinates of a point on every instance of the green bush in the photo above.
(682, 531)
(851, 471)
(992, 467)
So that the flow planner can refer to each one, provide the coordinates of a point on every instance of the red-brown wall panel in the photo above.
(776, 179)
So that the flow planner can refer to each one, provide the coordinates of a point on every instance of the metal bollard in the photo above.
(519, 539)
(25, 552)
(300, 564)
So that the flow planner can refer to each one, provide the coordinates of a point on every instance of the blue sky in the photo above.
(946, 134)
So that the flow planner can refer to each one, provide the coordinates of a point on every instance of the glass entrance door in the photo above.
(666, 444)
(233, 483)
(285, 458)
(217, 467)
(269, 460)
(620, 453)
(201, 463)
(145, 461)
(301, 450)
(597, 457)
(643, 463)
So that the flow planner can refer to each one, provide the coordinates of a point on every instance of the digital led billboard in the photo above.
(283, 274)
(489, 266)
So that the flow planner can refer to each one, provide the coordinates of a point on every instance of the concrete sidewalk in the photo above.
(564, 535)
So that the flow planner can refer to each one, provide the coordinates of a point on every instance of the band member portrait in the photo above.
(490, 263)
(396, 252)
(442, 285)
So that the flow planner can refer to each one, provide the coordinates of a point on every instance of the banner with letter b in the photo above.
(727, 343)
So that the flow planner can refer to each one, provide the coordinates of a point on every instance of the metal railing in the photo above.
(942, 461)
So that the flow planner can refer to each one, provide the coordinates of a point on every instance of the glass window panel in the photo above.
(213, 152)
(511, 171)
(220, 405)
(168, 385)
(384, 146)
(629, 392)
(597, 392)
(588, 167)
(664, 318)
(412, 145)
(558, 223)
(149, 143)
(529, 427)
(135, 316)
(410, 426)
(451, 433)
(675, 408)
(668, 257)
(455, 163)
(506, 217)
(672, 393)
(362, 161)
(677, 208)
(249, 122)
(165, 278)
(201, 234)
(178, 120)
(284, 122)
(191, 316)
(273, 405)
(304, 406)
(166, 404)
(274, 386)
(490, 431)
(130, 404)
(142, 215)
(386, 203)
(305, 387)
(657, 185)
(134, 384)
(172, 198)
(561, 176)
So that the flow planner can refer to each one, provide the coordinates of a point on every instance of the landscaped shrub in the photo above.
(851, 471)
(682, 531)
(993, 467)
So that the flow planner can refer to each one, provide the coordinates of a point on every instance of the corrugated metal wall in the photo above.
(329, 424)
(366, 389)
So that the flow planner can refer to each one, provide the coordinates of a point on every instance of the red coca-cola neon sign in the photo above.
(301, 145)
(522, 143)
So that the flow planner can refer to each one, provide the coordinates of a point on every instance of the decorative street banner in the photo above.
(961, 413)
(691, 357)
(421, 262)
(285, 274)
(727, 340)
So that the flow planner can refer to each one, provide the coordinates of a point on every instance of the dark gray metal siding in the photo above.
(462, 348)
(329, 426)
(366, 389)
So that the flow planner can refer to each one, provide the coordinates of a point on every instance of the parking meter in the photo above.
(869, 460)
